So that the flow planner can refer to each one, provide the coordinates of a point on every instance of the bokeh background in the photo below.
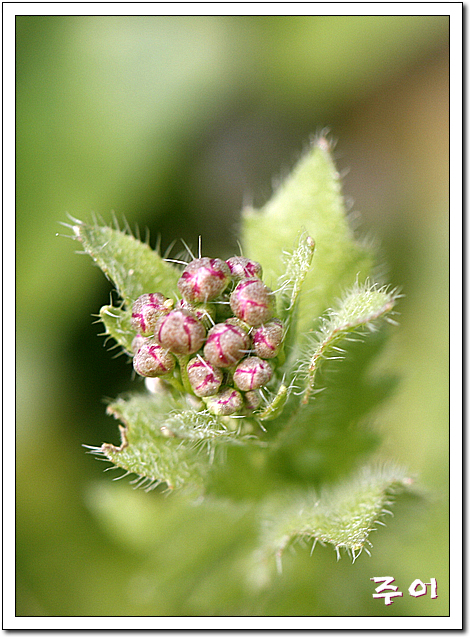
(175, 123)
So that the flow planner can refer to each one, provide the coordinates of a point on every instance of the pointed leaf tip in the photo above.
(309, 200)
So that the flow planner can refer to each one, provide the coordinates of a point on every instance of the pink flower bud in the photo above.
(204, 279)
(252, 301)
(137, 342)
(205, 313)
(151, 360)
(226, 345)
(252, 400)
(252, 373)
(146, 310)
(204, 378)
(225, 403)
(267, 339)
(243, 268)
(180, 332)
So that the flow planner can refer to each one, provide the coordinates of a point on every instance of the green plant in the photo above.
(291, 447)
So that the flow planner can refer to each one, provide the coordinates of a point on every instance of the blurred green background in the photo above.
(175, 123)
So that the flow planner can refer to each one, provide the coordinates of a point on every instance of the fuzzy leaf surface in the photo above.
(290, 285)
(359, 309)
(343, 516)
(118, 325)
(132, 266)
(297, 267)
(310, 201)
(324, 440)
(161, 442)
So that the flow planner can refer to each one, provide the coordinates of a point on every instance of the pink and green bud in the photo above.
(204, 279)
(205, 313)
(252, 301)
(252, 373)
(151, 360)
(204, 378)
(180, 332)
(146, 310)
(252, 400)
(233, 321)
(225, 403)
(137, 342)
(226, 345)
(267, 339)
(243, 268)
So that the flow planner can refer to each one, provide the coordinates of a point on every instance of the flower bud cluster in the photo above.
(222, 333)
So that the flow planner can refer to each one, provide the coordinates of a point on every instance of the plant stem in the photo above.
(183, 362)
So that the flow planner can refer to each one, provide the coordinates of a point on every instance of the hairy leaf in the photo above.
(131, 265)
(326, 438)
(118, 325)
(164, 442)
(343, 516)
(309, 200)
(359, 309)
(290, 283)
(275, 406)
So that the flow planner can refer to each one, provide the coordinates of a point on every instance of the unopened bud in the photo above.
(205, 313)
(252, 373)
(234, 321)
(225, 403)
(137, 342)
(151, 360)
(226, 345)
(180, 332)
(204, 378)
(204, 279)
(267, 339)
(252, 301)
(147, 309)
(243, 268)
(252, 400)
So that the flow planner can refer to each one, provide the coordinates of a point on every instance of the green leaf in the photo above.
(290, 283)
(275, 405)
(359, 309)
(309, 200)
(163, 442)
(343, 516)
(118, 325)
(203, 426)
(325, 439)
(131, 265)
(297, 265)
